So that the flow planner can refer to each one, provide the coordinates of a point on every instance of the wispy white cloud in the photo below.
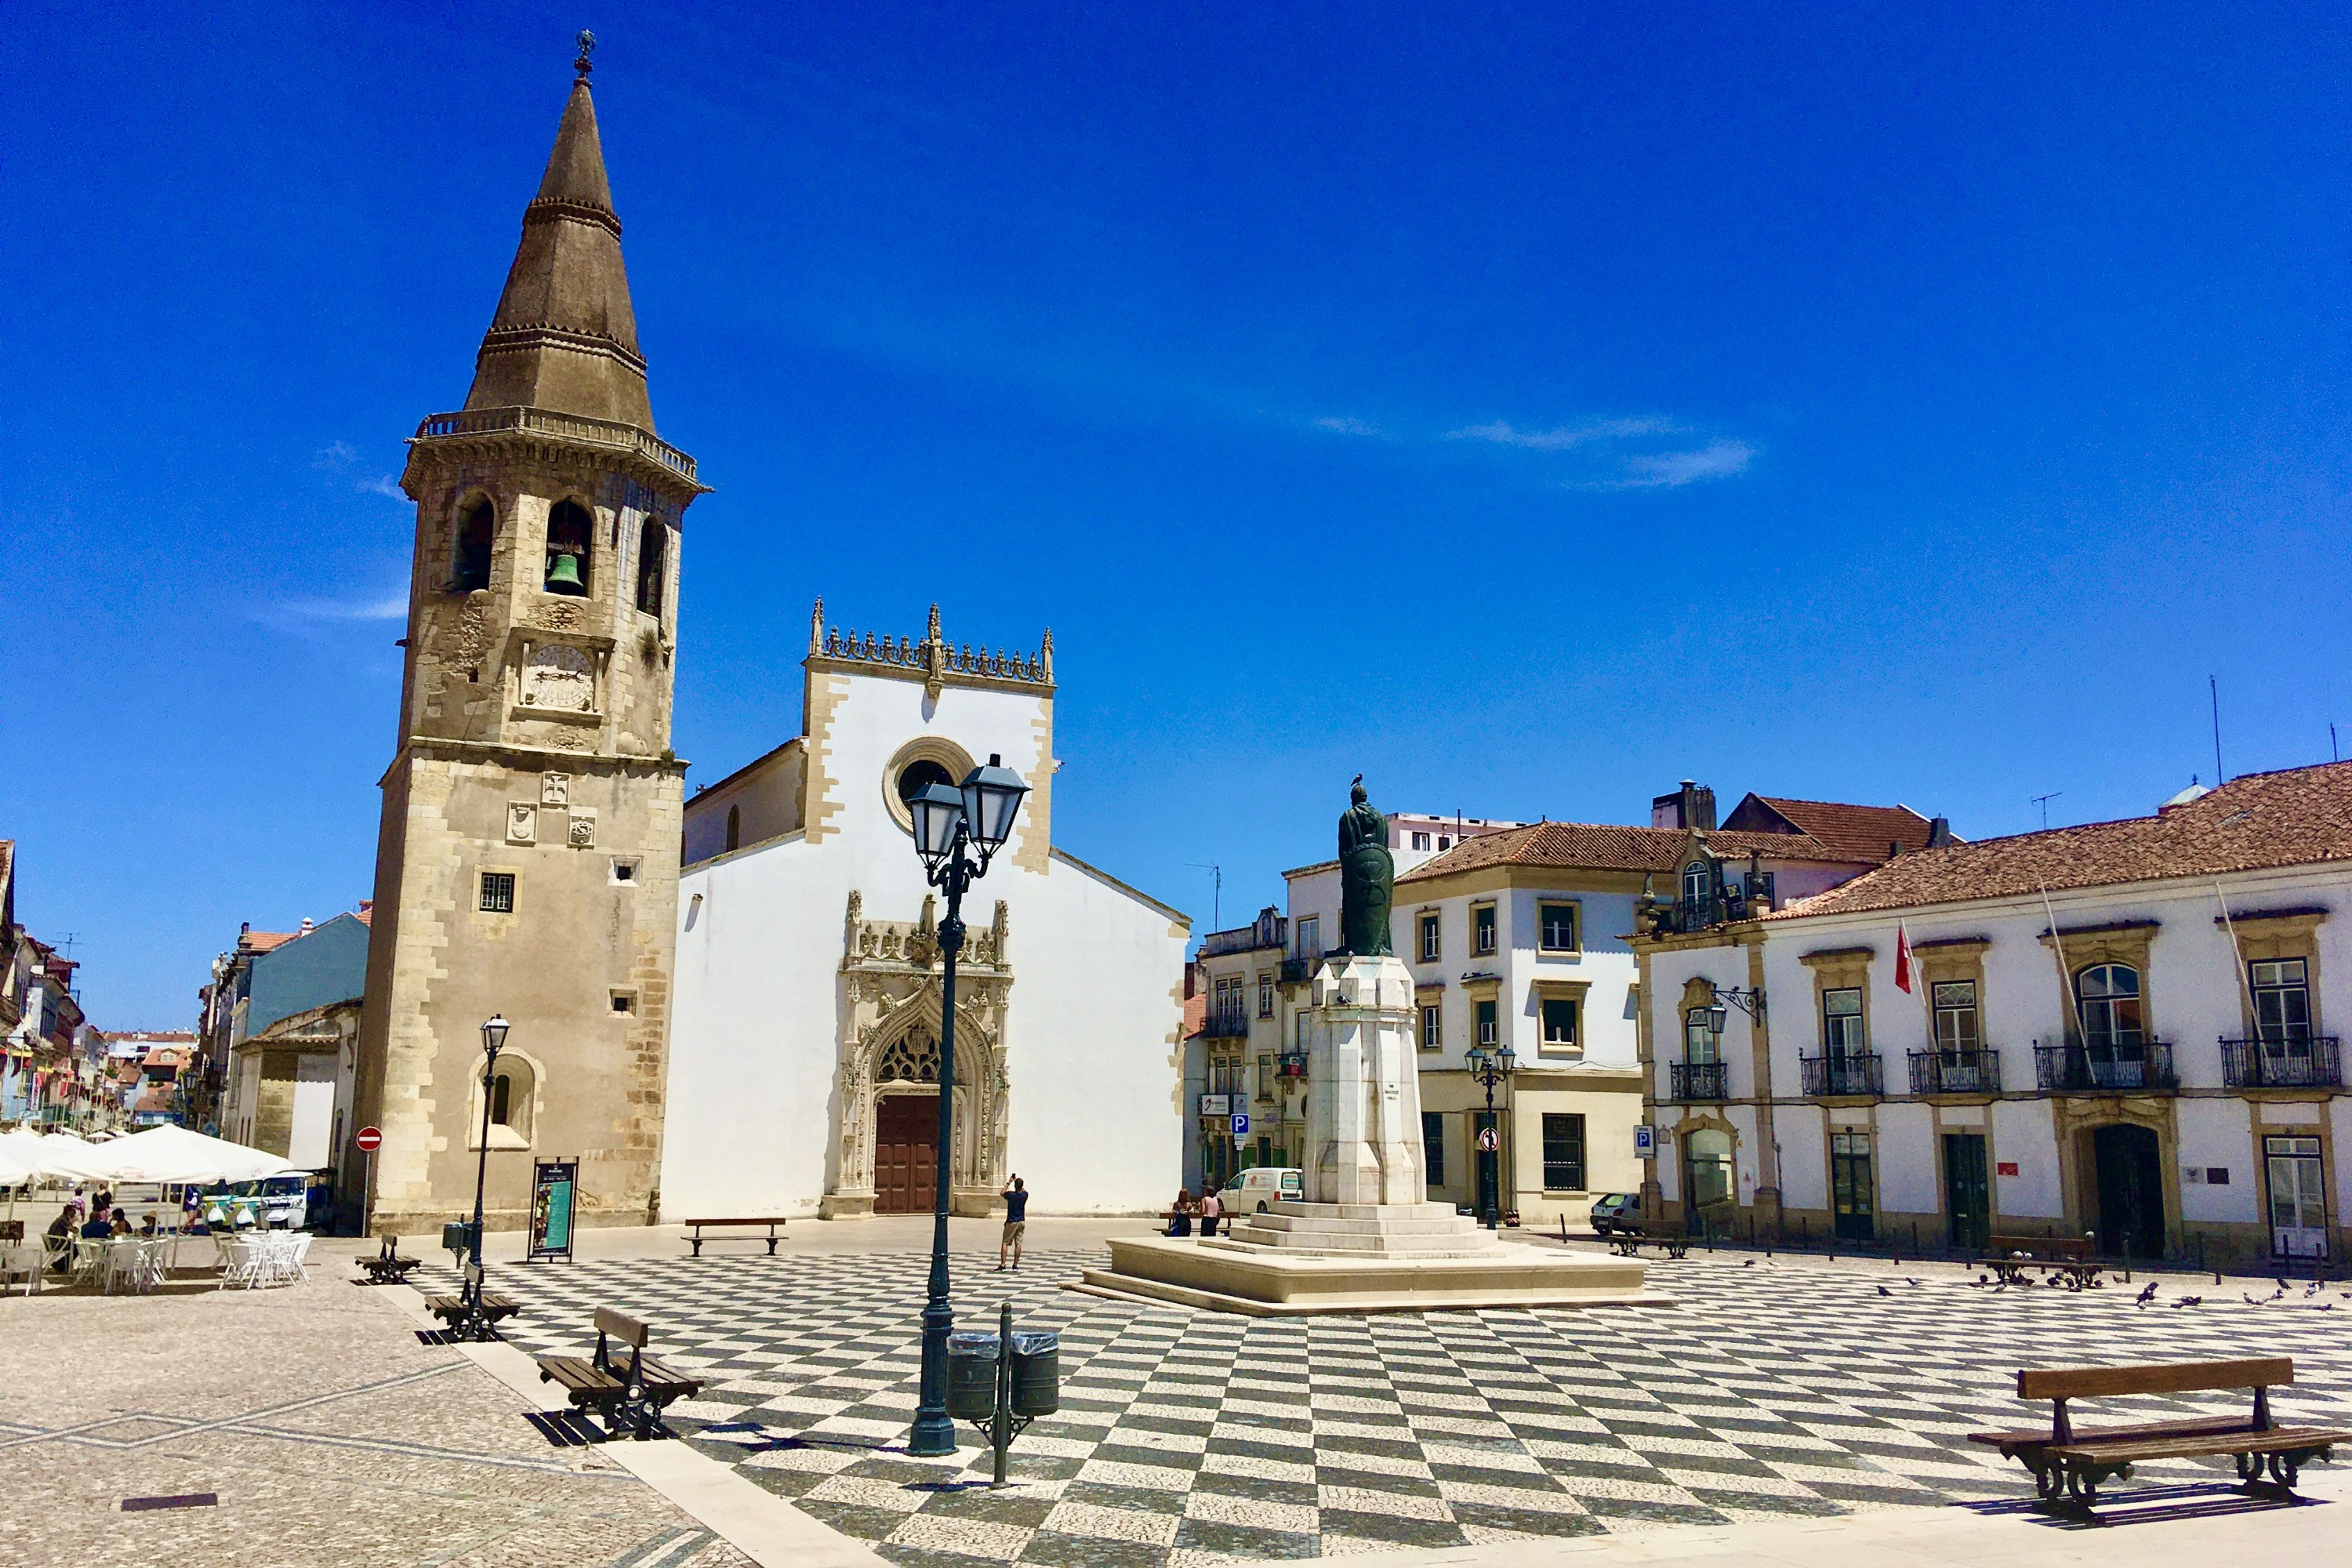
(1345, 426)
(1718, 459)
(1567, 436)
(335, 454)
(382, 485)
(392, 607)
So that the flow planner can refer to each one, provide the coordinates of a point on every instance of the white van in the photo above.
(1261, 1185)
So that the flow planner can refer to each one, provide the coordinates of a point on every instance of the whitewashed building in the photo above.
(2119, 1028)
(804, 1060)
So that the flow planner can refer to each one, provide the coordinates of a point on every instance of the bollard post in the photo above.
(1000, 1424)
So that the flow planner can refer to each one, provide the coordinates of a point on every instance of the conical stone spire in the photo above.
(564, 338)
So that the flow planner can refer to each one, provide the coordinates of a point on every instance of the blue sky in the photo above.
(1526, 406)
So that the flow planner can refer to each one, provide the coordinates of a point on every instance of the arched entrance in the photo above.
(2128, 1176)
(1707, 1178)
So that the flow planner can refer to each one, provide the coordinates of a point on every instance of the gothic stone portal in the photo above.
(886, 1085)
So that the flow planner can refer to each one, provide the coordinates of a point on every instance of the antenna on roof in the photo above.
(2219, 778)
(2044, 802)
(2333, 754)
(1217, 895)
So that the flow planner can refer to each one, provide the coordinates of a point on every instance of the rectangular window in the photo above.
(1489, 1030)
(1266, 995)
(498, 892)
(1842, 1023)
(1563, 1152)
(1310, 937)
(1431, 948)
(1266, 1082)
(1559, 1024)
(1955, 1016)
(1432, 1148)
(1420, 841)
(1481, 929)
(1556, 926)
(2282, 999)
(1433, 1033)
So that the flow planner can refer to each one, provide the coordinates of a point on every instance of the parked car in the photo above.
(1260, 1186)
(1613, 1211)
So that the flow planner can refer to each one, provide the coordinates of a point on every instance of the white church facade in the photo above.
(804, 1063)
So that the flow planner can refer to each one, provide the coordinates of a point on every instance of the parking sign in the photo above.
(1241, 1122)
(1645, 1143)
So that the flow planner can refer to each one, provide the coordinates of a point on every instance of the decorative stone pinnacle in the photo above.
(587, 42)
(816, 627)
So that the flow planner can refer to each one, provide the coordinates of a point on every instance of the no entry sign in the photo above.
(368, 1138)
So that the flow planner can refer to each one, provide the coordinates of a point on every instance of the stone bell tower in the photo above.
(528, 860)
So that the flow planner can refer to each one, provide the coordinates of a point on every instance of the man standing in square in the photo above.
(1016, 1216)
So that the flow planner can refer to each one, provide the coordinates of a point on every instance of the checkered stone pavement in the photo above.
(1193, 1438)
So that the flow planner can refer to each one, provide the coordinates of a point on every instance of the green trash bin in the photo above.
(972, 1376)
(458, 1236)
(1037, 1372)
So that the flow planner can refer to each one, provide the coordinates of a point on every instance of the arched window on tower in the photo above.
(734, 827)
(653, 564)
(470, 566)
(569, 529)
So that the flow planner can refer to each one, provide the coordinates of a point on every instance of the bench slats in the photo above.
(621, 1327)
(2278, 1440)
(2219, 1426)
(2185, 1377)
(714, 1224)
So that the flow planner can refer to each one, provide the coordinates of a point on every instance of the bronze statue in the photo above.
(1367, 877)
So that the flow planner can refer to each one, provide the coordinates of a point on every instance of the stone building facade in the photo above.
(528, 860)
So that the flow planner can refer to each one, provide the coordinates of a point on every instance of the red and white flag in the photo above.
(1901, 959)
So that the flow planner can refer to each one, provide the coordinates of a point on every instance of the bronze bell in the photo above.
(563, 577)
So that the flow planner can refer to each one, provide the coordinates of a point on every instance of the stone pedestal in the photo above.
(1366, 1238)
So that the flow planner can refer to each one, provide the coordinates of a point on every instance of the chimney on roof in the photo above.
(1693, 805)
(306, 928)
(1940, 832)
(243, 927)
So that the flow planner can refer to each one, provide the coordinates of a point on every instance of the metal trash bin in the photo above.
(1037, 1372)
(458, 1236)
(972, 1376)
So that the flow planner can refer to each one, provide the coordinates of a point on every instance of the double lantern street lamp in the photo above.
(473, 1322)
(1490, 1067)
(957, 832)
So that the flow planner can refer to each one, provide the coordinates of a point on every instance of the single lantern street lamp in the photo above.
(958, 831)
(473, 1324)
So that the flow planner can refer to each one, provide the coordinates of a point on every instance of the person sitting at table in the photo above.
(121, 1224)
(60, 1233)
(147, 1231)
(98, 1228)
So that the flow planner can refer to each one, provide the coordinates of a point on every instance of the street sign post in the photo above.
(368, 1138)
(1241, 1122)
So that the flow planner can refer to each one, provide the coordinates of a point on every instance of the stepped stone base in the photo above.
(1346, 1258)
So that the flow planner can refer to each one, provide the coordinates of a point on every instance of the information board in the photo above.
(553, 1185)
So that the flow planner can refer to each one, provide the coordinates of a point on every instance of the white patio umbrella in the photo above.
(168, 1154)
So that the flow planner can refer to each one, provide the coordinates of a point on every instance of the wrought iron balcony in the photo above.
(2143, 1069)
(2311, 1062)
(1696, 1080)
(1956, 1072)
(1227, 1024)
(1826, 1077)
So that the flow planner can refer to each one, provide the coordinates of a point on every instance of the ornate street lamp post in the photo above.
(957, 832)
(494, 1040)
(1490, 1067)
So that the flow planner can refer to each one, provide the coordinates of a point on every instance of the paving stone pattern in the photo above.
(1193, 1438)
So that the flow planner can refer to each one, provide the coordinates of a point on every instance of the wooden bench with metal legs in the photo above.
(2060, 1257)
(1628, 1236)
(388, 1267)
(2069, 1464)
(631, 1396)
(775, 1231)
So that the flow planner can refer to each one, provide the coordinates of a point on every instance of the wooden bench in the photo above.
(2066, 1259)
(775, 1231)
(450, 1310)
(2069, 1464)
(388, 1267)
(630, 1396)
(1627, 1238)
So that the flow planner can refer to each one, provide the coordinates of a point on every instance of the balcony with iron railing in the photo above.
(2310, 1062)
(1975, 1071)
(1245, 938)
(1226, 1023)
(1689, 1081)
(1854, 1075)
(2144, 1068)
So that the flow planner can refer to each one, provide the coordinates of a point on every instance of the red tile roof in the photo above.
(2296, 817)
(1196, 1014)
(266, 940)
(1853, 832)
(1606, 847)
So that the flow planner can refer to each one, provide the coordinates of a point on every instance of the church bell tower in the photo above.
(528, 860)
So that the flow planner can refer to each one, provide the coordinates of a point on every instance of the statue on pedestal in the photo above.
(1367, 877)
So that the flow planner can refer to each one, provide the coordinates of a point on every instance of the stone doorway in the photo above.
(906, 1153)
(2129, 1169)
